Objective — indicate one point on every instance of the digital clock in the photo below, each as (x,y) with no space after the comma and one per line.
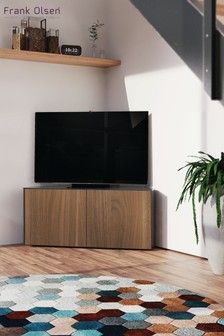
(72,50)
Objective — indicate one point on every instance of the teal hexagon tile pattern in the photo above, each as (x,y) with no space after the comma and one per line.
(65,313)
(83,305)
(221,321)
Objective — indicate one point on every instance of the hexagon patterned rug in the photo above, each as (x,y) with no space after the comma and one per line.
(82,305)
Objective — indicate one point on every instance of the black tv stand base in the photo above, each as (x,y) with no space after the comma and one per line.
(91,186)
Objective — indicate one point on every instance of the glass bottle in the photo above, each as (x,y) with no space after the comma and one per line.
(94,49)
(16,38)
(24,42)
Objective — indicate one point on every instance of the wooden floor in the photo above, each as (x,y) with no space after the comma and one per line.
(158,265)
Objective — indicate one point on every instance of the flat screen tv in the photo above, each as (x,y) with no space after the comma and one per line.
(91,147)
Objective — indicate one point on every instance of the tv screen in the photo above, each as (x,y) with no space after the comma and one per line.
(91,147)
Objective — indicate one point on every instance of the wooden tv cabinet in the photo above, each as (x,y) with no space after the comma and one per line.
(98,218)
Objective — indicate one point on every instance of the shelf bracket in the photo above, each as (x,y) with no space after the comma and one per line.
(211,51)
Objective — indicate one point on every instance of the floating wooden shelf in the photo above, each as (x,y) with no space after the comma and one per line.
(58,58)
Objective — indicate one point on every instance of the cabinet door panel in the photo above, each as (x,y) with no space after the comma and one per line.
(119,219)
(55,217)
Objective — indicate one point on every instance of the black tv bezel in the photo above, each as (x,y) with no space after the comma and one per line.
(76,184)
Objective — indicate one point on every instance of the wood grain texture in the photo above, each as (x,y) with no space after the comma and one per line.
(32,56)
(55,217)
(220,8)
(185,271)
(119,219)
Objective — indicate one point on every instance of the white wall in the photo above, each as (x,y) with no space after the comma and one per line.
(152,77)
(184,120)
(29,87)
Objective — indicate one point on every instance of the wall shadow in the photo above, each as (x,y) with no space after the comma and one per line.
(160,223)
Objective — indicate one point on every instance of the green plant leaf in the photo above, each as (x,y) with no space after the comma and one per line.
(210,156)
(205,176)
(217,199)
(195,217)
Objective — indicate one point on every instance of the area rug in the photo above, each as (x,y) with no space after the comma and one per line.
(94,306)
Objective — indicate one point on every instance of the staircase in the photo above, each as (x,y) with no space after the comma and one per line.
(199,4)
(183,25)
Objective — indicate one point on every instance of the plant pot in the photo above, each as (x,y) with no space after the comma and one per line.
(214,236)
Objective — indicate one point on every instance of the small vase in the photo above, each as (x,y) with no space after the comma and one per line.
(102,53)
(214,236)
(94,50)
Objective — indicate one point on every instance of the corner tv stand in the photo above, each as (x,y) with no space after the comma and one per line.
(91,217)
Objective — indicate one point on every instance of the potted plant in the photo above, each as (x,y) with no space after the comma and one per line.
(204,181)
(94,35)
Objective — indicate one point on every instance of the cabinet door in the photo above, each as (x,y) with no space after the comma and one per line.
(55,217)
(119,219)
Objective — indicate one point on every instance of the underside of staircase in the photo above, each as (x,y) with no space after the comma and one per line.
(182,24)
(199,4)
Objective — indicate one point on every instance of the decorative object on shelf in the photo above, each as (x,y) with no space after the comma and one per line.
(206,177)
(102,53)
(72,50)
(24,37)
(31,38)
(84,305)
(16,38)
(36,37)
(53,41)
(94,36)
(19,37)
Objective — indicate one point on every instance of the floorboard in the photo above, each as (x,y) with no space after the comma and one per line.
(188,272)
